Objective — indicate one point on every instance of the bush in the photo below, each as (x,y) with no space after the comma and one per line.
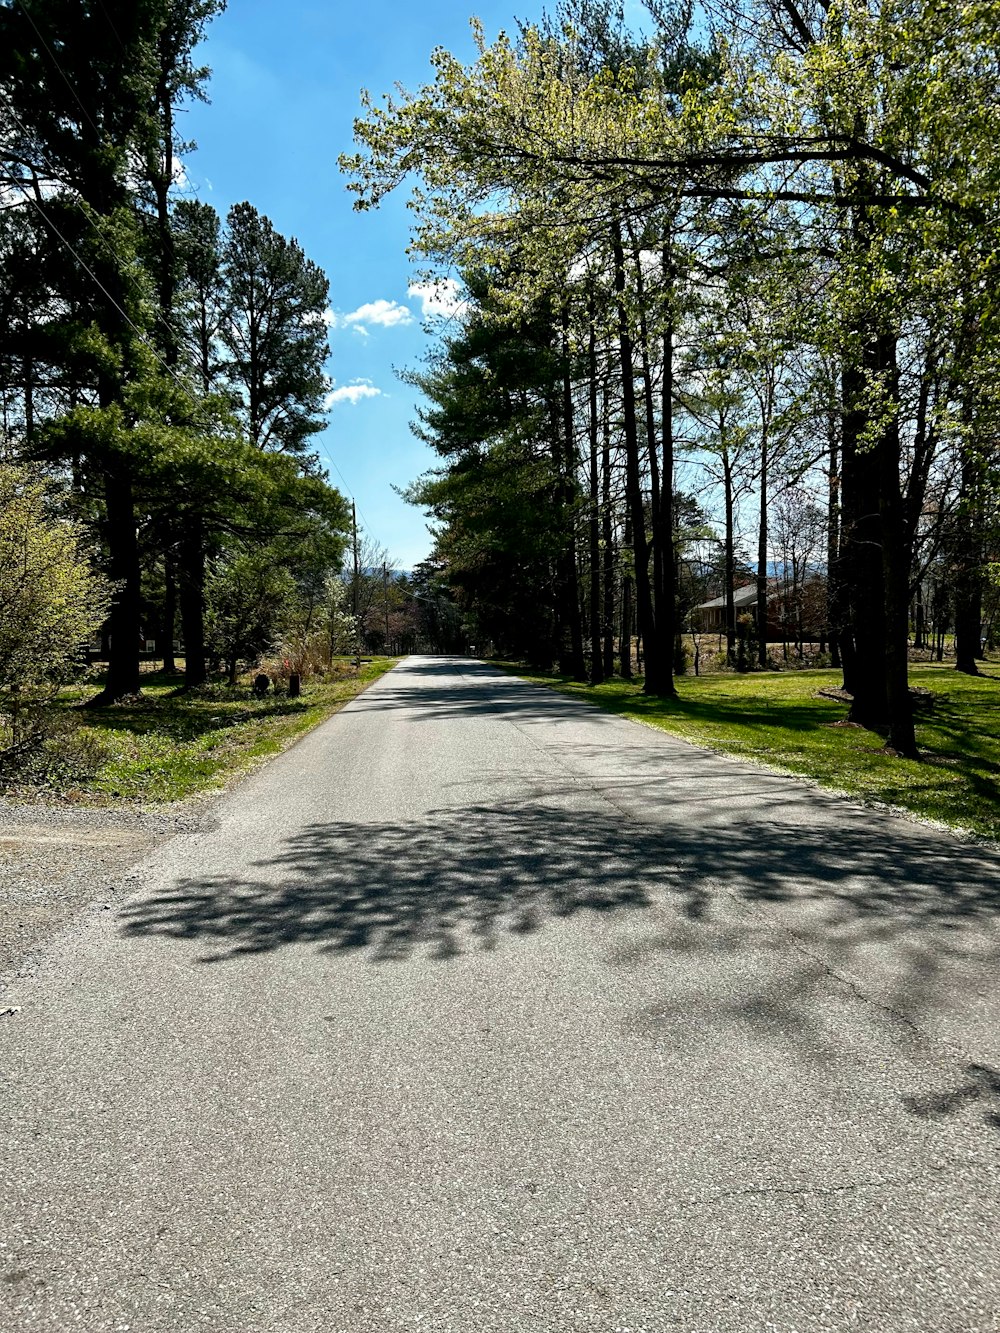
(303,655)
(51,601)
(51,747)
(245,599)
(683,657)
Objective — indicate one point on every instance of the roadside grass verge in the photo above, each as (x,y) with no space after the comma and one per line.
(779,720)
(168,746)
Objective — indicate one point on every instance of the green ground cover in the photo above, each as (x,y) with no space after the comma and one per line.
(166,745)
(779,719)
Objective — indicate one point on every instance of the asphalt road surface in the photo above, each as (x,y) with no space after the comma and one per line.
(482,1011)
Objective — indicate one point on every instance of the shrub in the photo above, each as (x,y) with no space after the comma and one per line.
(55,748)
(51,601)
(245,599)
(304,655)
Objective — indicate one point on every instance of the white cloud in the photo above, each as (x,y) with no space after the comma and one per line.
(385,313)
(326,317)
(440,298)
(179,173)
(351,393)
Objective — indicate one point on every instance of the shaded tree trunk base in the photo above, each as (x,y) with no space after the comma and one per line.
(661,689)
(106,698)
(879,724)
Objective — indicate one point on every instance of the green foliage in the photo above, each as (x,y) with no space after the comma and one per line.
(148,356)
(806,207)
(51,601)
(167,746)
(494,399)
(201,303)
(246,598)
(274,331)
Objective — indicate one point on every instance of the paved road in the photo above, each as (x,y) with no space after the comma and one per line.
(481,1011)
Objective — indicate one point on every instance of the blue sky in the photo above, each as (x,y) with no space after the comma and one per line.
(284,94)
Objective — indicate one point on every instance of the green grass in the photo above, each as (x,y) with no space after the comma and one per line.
(168,746)
(778,719)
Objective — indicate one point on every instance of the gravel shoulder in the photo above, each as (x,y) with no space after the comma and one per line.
(57,861)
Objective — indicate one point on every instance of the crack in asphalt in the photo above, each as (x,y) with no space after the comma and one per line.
(849,1187)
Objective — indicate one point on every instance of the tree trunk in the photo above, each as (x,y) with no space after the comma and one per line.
(626,625)
(633,477)
(877,558)
(666,612)
(968,590)
(658,632)
(968,626)
(169,617)
(593,428)
(834,593)
(861,574)
(767,412)
(653,464)
(607,536)
(125,621)
(192,599)
(896,573)
(162,179)
(762,556)
(570,654)
(729,556)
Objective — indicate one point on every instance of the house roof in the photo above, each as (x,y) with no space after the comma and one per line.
(745,596)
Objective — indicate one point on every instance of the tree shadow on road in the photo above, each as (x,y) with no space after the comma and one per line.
(441,886)
(471,874)
(979,1086)
(925,909)
(482,691)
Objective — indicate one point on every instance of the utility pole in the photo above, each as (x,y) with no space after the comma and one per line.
(357,627)
(385,603)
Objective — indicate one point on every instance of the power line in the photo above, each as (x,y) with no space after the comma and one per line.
(30,198)
(107,244)
(52,55)
(169,369)
(149,346)
(86,267)
(107,16)
(333,464)
(133,264)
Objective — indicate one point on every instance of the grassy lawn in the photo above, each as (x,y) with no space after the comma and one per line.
(778,719)
(165,746)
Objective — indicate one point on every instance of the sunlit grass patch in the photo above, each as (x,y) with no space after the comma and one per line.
(167,745)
